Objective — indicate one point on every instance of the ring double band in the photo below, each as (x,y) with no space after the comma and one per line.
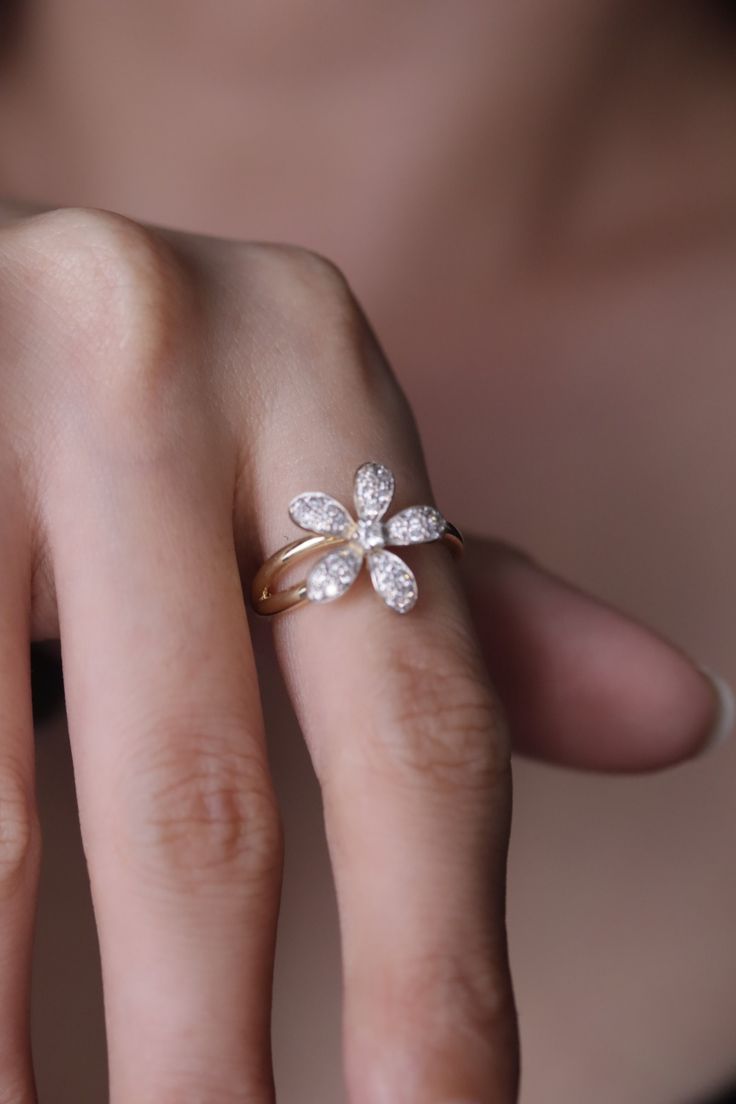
(348,543)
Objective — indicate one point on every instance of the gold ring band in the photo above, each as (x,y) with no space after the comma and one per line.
(268,601)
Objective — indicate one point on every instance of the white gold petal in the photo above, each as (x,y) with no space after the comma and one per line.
(393,580)
(320,513)
(416,525)
(374,489)
(333,575)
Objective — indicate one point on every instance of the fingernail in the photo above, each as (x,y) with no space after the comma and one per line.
(724,714)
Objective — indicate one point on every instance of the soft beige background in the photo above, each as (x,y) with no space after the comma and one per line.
(535,202)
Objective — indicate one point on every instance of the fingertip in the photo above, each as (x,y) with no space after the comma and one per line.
(584,685)
(669,706)
(723,710)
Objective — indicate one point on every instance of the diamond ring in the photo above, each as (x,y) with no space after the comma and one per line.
(349,543)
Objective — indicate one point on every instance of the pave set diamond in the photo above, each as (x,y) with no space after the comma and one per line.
(366,538)
(334,574)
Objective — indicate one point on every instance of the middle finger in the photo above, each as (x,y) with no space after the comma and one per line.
(178,815)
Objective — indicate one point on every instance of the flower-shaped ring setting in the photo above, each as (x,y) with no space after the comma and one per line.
(350,542)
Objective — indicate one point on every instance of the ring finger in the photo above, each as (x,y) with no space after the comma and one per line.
(412,758)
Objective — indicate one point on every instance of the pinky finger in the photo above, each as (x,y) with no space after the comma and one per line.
(581,683)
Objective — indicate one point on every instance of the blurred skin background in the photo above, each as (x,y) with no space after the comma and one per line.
(536,204)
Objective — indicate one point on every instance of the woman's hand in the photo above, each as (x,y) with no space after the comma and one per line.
(163,398)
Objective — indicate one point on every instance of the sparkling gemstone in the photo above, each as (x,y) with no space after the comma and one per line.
(374,489)
(393,580)
(371,534)
(320,513)
(416,525)
(333,575)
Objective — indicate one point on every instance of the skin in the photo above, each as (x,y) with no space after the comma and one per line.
(572,244)
(155,386)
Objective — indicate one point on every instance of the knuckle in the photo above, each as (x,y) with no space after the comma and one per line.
(110,291)
(444,727)
(464,990)
(201,813)
(19,832)
(456,1003)
(310,299)
(305,277)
